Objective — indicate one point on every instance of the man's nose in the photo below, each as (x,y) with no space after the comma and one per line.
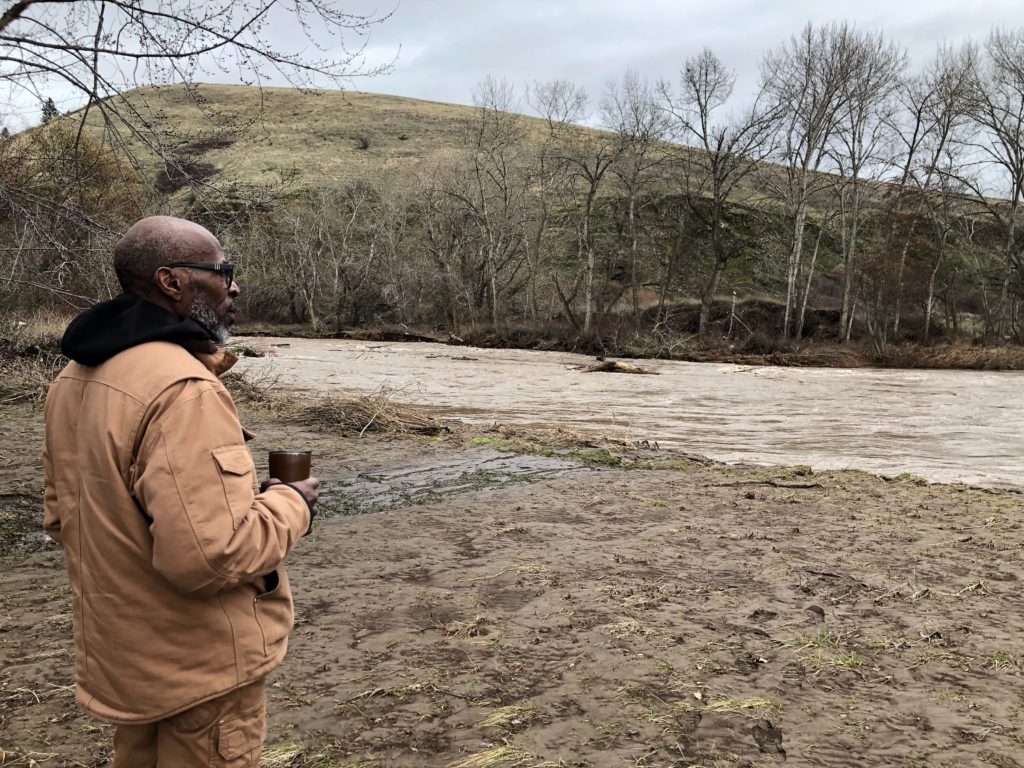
(233,289)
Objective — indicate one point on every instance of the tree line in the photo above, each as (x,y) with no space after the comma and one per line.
(854,196)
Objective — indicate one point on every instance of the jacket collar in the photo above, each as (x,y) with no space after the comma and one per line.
(218,362)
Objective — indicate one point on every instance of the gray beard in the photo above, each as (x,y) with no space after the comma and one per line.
(206,316)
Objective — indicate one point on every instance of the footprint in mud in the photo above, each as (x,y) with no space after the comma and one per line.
(999,760)
(768,738)
(747,663)
(794,674)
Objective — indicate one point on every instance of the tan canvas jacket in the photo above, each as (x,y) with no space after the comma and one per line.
(174,558)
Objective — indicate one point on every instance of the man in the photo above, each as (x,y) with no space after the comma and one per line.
(181,602)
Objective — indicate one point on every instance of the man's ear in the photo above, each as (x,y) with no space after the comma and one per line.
(168,283)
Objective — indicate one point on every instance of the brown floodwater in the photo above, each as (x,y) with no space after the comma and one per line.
(945,426)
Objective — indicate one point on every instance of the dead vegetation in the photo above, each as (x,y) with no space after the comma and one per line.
(377,412)
(954,356)
(505,756)
(27,379)
(348,413)
(30,356)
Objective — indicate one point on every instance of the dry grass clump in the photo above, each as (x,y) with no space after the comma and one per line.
(283,756)
(369,413)
(511,718)
(755,706)
(24,335)
(351,413)
(506,756)
(259,390)
(625,628)
(299,756)
(465,629)
(552,437)
(954,356)
(27,379)
(30,356)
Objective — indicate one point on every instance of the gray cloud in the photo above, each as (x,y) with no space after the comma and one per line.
(445,47)
(449,45)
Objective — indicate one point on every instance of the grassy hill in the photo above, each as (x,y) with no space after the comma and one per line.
(264,137)
(399,252)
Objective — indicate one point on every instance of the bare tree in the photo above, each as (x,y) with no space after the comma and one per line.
(586,156)
(495,136)
(997,110)
(561,105)
(91,53)
(98,50)
(59,199)
(630,109)
(804,80)
(449,241)
(860,142)
(945,207)
(934,110)
(730,149)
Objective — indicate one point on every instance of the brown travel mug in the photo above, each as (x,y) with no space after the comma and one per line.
(290,466)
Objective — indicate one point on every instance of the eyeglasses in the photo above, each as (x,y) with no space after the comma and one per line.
(225,268)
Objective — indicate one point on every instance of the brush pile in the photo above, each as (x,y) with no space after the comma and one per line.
(360,414)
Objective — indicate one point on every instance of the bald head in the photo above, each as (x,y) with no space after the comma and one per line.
(157,241)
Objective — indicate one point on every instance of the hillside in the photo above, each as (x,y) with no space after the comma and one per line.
(518,240)
(260,137)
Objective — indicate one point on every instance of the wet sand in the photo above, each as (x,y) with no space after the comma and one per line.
(561,614)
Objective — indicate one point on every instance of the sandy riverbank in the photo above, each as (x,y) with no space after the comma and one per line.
(560,612)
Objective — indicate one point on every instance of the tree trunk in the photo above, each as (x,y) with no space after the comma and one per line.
(807,290)
(711,288)
(633,255)
(794,265)
(588,284)
(708,296)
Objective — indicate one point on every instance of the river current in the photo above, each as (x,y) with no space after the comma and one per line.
(945,426)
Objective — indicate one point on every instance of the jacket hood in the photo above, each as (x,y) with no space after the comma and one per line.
(110,327)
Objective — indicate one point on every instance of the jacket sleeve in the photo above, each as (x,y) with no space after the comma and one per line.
(196,479)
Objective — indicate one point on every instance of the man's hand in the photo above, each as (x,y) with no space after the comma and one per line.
(308,488)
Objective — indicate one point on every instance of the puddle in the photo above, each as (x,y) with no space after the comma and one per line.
(430,481)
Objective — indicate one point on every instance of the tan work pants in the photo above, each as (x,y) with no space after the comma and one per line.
(225,732)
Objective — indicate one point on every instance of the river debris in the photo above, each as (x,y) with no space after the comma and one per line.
(616,366)
(254,348)
(347,412)
(369,413)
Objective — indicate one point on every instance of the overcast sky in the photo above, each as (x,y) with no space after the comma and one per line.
(444,47)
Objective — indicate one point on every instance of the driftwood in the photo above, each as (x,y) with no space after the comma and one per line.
(614,366)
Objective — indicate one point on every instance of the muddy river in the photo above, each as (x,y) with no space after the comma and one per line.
(946,426)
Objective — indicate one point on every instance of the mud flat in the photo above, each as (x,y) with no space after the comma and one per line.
(588,608)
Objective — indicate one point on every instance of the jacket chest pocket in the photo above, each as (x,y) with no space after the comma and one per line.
(238,476)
